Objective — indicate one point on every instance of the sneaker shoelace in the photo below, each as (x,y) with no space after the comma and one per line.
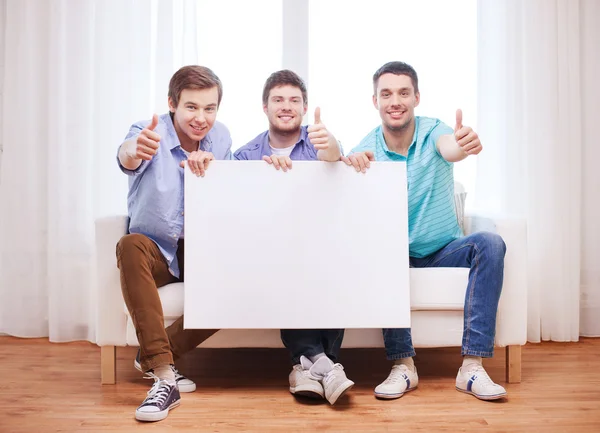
(178,376)
(306,373)
(331,374)
(158,393)
(481,376)
(396,375)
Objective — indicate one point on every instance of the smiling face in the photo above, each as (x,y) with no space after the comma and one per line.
(195,114)
(396,99)
(285,108)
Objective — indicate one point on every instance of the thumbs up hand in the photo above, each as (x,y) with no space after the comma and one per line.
(458,125)
(317,132)
(146,144)
(465,137)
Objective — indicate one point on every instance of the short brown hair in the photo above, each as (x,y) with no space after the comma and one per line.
(396,68)
(193,77)
(282,78)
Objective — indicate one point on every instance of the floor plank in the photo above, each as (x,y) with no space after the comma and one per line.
(48,387)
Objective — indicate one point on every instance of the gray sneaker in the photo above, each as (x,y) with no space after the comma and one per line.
(302,383)
(332,377)
(161,398)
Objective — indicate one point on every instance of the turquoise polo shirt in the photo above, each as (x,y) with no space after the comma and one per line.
(432,222)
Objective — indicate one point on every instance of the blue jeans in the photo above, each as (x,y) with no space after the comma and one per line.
(483,253)
(311,342)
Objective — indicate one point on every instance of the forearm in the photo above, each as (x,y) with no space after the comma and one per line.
(127,156)
(332,153)
(449,149)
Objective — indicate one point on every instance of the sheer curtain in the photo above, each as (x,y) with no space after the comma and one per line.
(82,70)
(79,73)
(590,230)
(538,95)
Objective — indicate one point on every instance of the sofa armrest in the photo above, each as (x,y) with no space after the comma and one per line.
(511,326)
(111,320)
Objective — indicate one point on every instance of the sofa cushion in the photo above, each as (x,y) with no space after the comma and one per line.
(430,289)
(438,288)
(428,328)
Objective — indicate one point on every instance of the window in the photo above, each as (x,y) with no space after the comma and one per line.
(240,41)
(243,47)
(348,42)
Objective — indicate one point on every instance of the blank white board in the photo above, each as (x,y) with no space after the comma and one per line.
(320,246)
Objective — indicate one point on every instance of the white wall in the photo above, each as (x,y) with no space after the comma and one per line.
(2,28)
(590,212)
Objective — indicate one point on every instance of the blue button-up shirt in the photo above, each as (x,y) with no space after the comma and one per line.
(259,147)
(155,199)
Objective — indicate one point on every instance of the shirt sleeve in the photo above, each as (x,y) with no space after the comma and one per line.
(227,142)
(367,143)
(362,147)
(228,155)
(240,155)
(438,130)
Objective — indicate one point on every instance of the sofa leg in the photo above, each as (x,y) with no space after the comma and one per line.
(108,365)
(513,364)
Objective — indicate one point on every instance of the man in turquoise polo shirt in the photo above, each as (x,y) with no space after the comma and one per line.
(429,148)
(314,352)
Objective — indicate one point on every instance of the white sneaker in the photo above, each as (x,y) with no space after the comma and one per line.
(302,383)
(401,380)
(475,381)
(332,377)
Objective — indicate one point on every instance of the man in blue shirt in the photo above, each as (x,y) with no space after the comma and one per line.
(153,155)
(429,148)
(315,373)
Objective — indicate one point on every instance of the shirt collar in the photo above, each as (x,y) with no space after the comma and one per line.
(205,144)
(387,150)
(266,148)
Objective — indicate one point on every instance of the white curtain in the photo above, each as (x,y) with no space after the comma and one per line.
(590,230)
(78,73)
(538,98)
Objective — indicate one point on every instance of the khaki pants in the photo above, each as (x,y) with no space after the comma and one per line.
(143,270)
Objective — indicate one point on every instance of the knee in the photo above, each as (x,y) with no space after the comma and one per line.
(131,242)
(491,242)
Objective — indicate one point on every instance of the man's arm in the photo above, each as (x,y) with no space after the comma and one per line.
(140,148)
(332,153)
(240,155)
(127,155)
(327,146)
(464,142)
(449,149)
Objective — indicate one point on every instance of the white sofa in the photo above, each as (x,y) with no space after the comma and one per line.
(437,300)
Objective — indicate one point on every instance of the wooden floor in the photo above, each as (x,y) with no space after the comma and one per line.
(47,387)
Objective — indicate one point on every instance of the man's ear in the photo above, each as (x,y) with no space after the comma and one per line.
(172,107)
(417,99)
(375,104)
(305,109)
(265,108)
